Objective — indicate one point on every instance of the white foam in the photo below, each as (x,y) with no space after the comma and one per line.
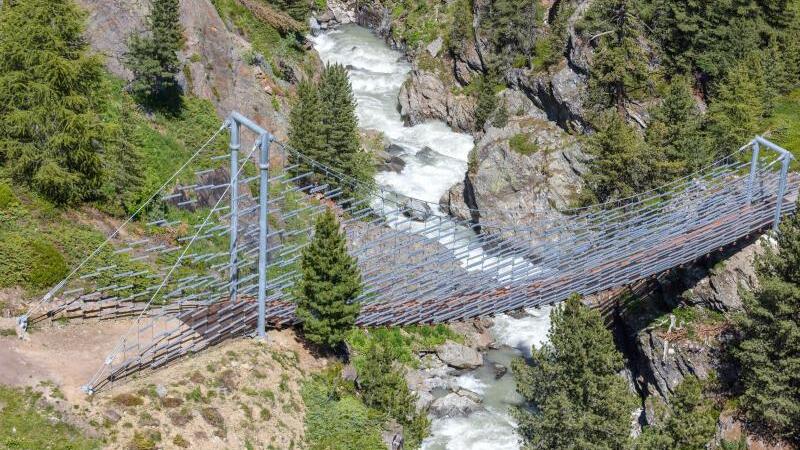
(523,333)
(482,430)
(471,382)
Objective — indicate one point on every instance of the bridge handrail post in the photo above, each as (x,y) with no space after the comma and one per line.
(234,146)
(264,139)
(786,159)
(753,169)
(263,225)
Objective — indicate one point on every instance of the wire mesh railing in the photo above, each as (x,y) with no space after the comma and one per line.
(217,248)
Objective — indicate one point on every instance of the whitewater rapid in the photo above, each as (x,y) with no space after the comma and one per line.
(377,72)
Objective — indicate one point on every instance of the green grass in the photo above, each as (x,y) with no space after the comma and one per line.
(266,39)
(25,425)
(521,143)
(784,125)
(336,419)
(403,342)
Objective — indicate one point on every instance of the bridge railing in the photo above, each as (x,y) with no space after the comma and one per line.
(214,253)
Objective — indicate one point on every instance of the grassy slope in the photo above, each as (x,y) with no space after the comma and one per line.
(26,425)
(784,125)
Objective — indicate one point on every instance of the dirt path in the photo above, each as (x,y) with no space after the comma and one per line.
(67,355)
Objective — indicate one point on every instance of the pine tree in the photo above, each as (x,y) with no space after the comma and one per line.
(690,422)
(339,116)
(619,71)
(383,387)
(675,133)
(153,57)
(738,106)
(297,9)
(330,282)
(769,349)
(340,128)
(50,132)
(572,382)
(622,166)
(305,127)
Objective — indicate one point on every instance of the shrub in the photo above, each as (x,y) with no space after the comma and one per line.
(336,418)
(127,399)
(7,197)
(29,262)
(521,143)
(383,387)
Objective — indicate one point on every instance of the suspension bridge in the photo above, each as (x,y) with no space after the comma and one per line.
(214,252)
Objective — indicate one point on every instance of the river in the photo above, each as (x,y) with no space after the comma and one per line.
(377,72)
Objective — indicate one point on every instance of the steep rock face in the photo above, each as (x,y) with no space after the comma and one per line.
(512,188)
(558,93)
(425,96)
(213,67)
(664,350)
(716,285)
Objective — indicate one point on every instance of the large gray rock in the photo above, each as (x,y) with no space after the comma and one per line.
(558,93)
(343,11)
(459,356)
(718,287)
(510,188)
(389,163)
(425,96)
(453,405)
(435,47)
(417,210)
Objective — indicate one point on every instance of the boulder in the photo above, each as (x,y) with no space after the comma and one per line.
(161,391)
(342,10)
(435,47)
(511,188)
(393,435)
(459,356)
(474,396)
(559,94)
(717,284)
(499,370)
(417,210)
(424,96)
(111,416)
(389,163)
(453,405)
(395,149)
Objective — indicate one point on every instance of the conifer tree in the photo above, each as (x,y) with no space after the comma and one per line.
(330,282)
(769,349)
(383,387)
(738,106)
(675,133)
(619,70)
(153,57)
(297,9)
(305,126)
(621,167)
(339,116)
(340,127)
(572,382)
(50,132)
(690,421)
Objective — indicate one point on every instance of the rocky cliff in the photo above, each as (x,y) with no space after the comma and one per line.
(522,172)
(212,59)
